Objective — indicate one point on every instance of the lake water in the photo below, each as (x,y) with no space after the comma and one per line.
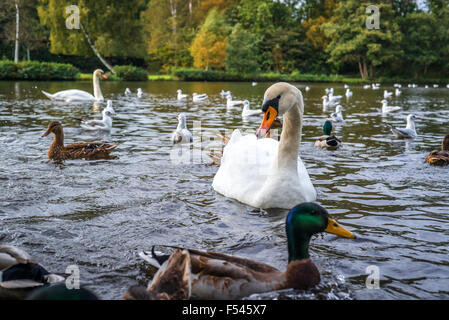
(99,214)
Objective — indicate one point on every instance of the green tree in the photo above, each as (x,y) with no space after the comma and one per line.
(209,46)
(242,52)
(113,26)
(352,42)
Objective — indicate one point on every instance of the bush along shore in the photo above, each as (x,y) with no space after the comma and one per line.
(34,70)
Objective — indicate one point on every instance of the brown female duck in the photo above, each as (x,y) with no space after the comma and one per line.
(440,157)
(80,150)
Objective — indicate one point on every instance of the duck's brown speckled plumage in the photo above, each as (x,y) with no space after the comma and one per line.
(440,157)
(80,150)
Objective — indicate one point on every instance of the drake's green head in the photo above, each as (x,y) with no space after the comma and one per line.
(305,220)
(327,128)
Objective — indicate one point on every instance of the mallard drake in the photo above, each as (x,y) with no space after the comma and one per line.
(20,273)
(220,276)
(80,150)
(440,157)
(327,141)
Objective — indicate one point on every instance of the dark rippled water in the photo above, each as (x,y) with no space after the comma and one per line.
(100,214)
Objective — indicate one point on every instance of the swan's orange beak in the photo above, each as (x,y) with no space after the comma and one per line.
(104,76)
(268,119)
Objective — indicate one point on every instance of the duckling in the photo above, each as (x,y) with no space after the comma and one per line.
(220,276)
(440,157)
(327,141)
(80,150)
(20,273)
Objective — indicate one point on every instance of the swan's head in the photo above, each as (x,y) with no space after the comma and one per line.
(100,73)
(278,100)
(305,220)
(445,144)
(53,127)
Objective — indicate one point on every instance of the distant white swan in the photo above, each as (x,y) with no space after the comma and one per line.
(80,95)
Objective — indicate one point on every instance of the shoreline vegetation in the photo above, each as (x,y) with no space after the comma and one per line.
(43,71)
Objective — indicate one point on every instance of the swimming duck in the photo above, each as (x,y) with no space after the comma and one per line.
(103,124)
(440,157)
(327,141)
(181,96)
(80,150)
(20,273)
(247,112)
(387,109)
(199,97)
(409,131)
(220,276)
(182,134)
(265,173)
(171,282)
(337,116)
(80,95)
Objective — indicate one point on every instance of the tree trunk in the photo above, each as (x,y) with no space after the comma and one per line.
(95,49)
(28,54)
(16,51)
(173,11)
(365,70)
(361,69)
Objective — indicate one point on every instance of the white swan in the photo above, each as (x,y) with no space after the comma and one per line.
(104,124)
(199,97)
(182,134)
(409,131)
(337,116)
(232,103)
(139,92)
(80,95)
(247,112)
(181,96)
(265,173)
(387,109)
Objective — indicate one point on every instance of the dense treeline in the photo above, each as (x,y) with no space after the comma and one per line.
(237,36)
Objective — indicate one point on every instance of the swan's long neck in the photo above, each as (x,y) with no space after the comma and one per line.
(290,137)
(97,91)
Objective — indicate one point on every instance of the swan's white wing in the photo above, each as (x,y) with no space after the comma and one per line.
(70,95)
